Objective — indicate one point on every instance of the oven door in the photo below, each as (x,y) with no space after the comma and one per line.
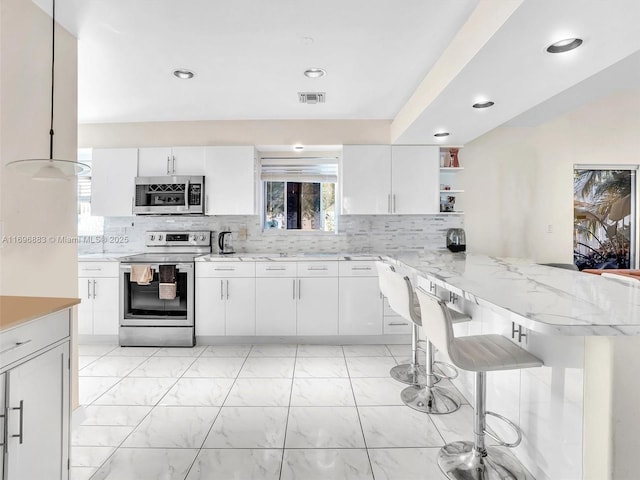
(141,305)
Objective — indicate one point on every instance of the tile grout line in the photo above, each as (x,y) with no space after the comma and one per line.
(286,423)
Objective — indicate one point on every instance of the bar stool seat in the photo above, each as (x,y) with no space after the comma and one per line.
(465,460)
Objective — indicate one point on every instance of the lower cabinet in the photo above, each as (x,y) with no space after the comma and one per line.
(360,300)
(276,306)
(35,394)
(317,306)
(98,286)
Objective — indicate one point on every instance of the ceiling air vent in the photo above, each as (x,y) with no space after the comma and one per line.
(311,97)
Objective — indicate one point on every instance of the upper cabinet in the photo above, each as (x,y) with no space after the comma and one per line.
(390,179)
(112,181)
(160,161)
(230,180)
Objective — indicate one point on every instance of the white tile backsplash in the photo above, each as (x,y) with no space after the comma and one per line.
(357,233)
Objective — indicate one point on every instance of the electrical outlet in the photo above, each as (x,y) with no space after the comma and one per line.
(550,228)
(242,232)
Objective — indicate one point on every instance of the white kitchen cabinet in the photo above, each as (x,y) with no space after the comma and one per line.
(98,289)
(360,300)
(225,298)
(276,306)
(365,179)
(317,307)
(161,161)
(113,172)
(385,179)
(230,180)
(34,387)
(3,422)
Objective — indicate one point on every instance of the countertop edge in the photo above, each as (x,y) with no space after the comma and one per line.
(17,310)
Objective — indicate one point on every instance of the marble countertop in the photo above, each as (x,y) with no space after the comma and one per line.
(295,257)
(103,257)
(17,310)
(543,299)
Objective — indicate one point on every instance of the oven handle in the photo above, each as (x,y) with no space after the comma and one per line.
(186,194)
(181,267)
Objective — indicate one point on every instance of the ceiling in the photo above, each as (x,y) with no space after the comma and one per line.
(420,63)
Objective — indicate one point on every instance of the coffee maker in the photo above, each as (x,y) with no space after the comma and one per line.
(224,243)
(456,240)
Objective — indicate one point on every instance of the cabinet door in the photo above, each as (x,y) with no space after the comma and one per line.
(276,306)
(37,446)
(85,308)
(210,304)
(360,306)
(415,179)
(105,306)
(365,177)
(317,306)
(187,161)
(240,294)
(3,422)
(230,183)
(154,161)
(113,171)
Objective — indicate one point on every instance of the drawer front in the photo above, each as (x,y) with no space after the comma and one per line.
(225,269)
(18,342)
(317,269)
(396,325)
(275,269)
(358,269)
(98,269)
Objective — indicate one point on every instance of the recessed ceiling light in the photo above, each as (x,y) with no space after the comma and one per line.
(486,104)
(564,45)
(314,72)
(184,74)
(298,147)
(441,134)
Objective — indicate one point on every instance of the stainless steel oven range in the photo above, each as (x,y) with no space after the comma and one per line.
(157,290)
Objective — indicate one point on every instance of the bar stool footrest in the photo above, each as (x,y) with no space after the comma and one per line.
(515,427)
(443,374)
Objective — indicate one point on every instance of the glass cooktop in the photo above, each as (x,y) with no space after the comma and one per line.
(166,258)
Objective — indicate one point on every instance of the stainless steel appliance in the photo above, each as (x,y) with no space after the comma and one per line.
(172,195)
(224,244)
(147,316)
(456,240)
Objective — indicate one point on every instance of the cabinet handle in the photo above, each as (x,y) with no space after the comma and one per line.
(98,269)
(173,168)
(275,269)
(221,294)
(20,434)
(224,269)
(432,287)
(16,345)
(294,288)
(2,416)
(94,288)
(88,289)
(227,289)
(394,203)
(389,203)
(299,289)
(206,204)
(317,268)
(395,324)
(360,268)
(168,164)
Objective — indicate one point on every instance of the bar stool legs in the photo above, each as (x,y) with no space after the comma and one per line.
(475,461)
(429,398)
(410,373)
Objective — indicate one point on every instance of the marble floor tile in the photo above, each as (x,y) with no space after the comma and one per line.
(320,367)
(401,426)
(137,391)
(180,351)
(370,366)
(457,425)
(84,360)
(248,427)
(237,464)
(81,473)
(89,456)
(96,350)
(133,351)
(259,392)
(405,463)
(99,435)
(90,388)
(198,392)
(268,367)
(173,427)
(320,351)
(400,350)
(147,464)
(117,415)
(324,427)
(322,392)
(377,391)
(163,367)
(227,351)
(326,464)
(215,367)
(111,366)
(366,351)
(273,351)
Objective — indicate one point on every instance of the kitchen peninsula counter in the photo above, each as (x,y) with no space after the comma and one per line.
(16,310)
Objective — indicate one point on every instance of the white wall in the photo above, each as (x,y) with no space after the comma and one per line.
(519,181)
(28,207)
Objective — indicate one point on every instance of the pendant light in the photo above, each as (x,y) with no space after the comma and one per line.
(50,169)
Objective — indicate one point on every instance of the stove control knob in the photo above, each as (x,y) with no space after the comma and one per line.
(202,237)
(160,238)
(152,237)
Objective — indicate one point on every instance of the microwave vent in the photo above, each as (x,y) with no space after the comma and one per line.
(311,97)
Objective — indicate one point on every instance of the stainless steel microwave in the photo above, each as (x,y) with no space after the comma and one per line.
(171,195)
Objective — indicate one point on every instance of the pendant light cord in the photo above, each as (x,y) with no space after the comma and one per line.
(53,58)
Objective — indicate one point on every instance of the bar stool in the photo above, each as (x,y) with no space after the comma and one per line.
(410,373)
(428,398)
(466,460)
